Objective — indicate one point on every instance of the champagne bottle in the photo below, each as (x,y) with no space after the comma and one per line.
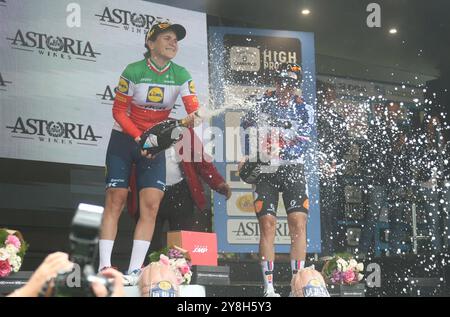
(162,135)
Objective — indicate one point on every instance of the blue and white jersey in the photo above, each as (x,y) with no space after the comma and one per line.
(295,122)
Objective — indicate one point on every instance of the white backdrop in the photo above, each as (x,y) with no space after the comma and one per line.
(57,82)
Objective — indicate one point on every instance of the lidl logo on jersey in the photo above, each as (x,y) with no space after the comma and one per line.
(191,87)
(4,83)
(124,85)
(131,21)
(53,46)
(56,132)
(155,94)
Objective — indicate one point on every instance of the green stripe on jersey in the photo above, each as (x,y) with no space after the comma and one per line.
(140,73)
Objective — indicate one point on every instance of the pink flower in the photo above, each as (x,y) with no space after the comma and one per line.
(349,276)
(12,239)
(5,268)
(184,269)
(164,259)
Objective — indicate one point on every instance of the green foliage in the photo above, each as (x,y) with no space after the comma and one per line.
(154,256)
(3,236)
(23,249)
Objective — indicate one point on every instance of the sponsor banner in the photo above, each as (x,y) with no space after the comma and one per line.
(41,134)
(52,45)
(246,231)
(57,71)
(243,61)
(107,94)
(5,83)
(258,56)
(241,204)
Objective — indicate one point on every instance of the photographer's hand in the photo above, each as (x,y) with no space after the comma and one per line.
(53,264)
(118,291)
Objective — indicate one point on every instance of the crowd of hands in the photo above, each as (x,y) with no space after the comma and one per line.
(57,263)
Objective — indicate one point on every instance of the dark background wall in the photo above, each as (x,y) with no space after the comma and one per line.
(40,198)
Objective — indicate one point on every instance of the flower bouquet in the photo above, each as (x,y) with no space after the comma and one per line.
(12,251)
(178,261)
(343,269)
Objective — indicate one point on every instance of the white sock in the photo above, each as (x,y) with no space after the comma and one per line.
(140,248)
(105,248)
(297,265)
(267,271)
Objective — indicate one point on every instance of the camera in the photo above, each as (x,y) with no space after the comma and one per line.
(83,250)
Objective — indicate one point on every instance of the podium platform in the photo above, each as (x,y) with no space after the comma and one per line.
(14,281)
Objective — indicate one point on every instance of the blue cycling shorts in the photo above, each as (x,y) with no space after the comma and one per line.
(122,152)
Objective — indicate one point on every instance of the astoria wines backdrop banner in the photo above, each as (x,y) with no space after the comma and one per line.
(60,62)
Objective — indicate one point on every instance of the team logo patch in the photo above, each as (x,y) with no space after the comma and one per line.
(124,85)
(191,87)
(155,94)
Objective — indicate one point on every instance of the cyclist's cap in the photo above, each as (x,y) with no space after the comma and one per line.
(156,29)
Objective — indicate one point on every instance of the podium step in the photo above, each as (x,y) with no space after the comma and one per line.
(245,289)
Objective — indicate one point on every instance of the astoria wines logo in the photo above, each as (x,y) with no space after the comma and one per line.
(53,46)
(128,20)
(243,231)
(4,83)
(54,131)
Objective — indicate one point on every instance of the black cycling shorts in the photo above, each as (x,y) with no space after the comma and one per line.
(290,181)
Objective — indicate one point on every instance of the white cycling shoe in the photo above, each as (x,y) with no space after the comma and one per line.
(271,293)
(132,278)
